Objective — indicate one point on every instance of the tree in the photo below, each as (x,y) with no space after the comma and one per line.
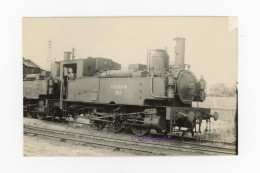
(221,90)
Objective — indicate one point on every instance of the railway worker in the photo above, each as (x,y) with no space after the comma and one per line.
(71,75)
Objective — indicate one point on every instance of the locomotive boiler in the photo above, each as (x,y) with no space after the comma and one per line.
(155,96)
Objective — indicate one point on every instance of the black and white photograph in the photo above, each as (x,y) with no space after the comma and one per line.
(129,86)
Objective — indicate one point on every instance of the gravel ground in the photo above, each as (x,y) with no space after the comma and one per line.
(36,146)
(40,146)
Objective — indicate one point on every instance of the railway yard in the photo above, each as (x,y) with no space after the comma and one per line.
(46,138)
(92,100)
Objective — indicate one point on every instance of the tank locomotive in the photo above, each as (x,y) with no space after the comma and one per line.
(155,96)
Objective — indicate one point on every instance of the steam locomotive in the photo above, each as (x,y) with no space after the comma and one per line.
(155,96)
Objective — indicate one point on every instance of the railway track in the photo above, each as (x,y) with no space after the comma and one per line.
(137,147)
(188,140)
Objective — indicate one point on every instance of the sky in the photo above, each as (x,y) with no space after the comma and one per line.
(211,42)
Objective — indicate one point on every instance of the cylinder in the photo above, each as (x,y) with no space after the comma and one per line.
(67,56)
(179,53)
(159,61)
(155,122)
(55,69)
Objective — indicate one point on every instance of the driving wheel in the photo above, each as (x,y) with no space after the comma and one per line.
(139,131)
(115,126)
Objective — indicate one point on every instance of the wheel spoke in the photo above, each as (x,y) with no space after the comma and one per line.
(29,115)
(40,116)
(115,127)
(99,125)
(139,131)
(75,116)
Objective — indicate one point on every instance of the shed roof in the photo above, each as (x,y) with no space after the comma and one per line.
(29,63)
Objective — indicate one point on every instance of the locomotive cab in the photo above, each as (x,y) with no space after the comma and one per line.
(69,70)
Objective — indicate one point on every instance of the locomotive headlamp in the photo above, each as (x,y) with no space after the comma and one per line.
(215,116)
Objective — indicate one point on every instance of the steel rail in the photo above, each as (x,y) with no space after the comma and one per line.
(62,139)
(181,137)
(167,147)
(175,138)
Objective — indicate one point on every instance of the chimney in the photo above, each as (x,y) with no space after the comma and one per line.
(179,53)
(67,56)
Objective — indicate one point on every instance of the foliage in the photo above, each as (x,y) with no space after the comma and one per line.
(221,90)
